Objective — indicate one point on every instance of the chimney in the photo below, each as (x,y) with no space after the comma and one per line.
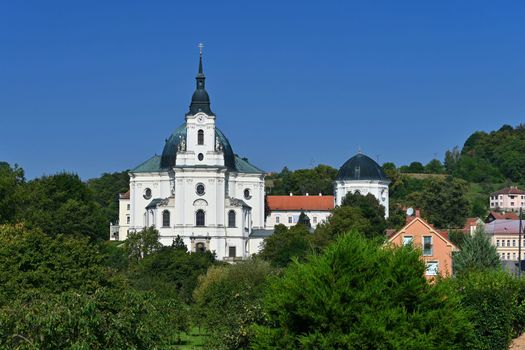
(418,213)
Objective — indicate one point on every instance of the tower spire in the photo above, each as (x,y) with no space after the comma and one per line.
(200,46)
(200,101)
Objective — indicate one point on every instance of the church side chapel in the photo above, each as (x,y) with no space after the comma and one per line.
(197,189)
(200,190)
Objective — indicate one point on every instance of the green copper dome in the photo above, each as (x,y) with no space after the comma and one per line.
(361,167)
(169,154)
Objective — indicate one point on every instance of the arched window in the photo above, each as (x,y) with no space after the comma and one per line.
(166,218)
(199,217)
(200,137)
(231,218)
(200,247)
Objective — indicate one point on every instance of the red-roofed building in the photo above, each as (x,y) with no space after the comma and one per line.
(508,198)
(285,210)
(494,215)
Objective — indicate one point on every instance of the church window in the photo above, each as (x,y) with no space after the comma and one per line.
(200,189)
(231,218)
(165,218)
(147,193)
(200,156)
(128,219)
(247,194)
(200,218)
(128,207)
(200,137)
(232,252)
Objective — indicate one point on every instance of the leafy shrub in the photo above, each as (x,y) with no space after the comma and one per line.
(229,299)
(107,319)
(360,295)
(495,302)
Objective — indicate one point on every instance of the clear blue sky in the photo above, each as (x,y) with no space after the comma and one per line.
(96,86)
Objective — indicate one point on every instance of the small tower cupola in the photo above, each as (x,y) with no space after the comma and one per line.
(200,101)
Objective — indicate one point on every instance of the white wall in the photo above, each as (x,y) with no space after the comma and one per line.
(378,189)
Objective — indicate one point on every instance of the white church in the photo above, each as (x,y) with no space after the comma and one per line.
(200,190)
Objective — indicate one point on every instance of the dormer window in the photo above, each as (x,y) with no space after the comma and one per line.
(200,137)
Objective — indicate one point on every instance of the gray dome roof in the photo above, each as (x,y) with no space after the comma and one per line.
(169,153)
(361,167)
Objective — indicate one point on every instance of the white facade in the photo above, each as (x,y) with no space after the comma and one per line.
(289,218)
(377,188)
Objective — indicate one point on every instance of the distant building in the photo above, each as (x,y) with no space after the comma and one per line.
(285,210)
(120,232)
(494,215)
(509,198)
(471,225)
(435,245)
(361,174)
(504,234)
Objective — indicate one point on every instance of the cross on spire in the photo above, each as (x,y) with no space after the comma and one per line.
(200,46)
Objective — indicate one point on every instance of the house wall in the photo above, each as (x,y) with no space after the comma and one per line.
(284,215)
(511,202)
(441,252)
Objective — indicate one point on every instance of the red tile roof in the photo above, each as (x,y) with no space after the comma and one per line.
(124,195)
(504,216)
(299,203)
(508,190)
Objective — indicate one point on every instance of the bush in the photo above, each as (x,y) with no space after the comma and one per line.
(32,260)
(360,295)
(229,298)
(495,303)
(107,319)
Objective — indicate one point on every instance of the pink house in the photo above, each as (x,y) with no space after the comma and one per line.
(435,245)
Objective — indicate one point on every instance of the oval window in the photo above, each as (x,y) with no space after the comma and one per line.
(147,193)
(200,156)
(200,189)
(247,194)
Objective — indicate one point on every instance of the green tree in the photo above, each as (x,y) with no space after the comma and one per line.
(434,167)
(107,319)
(61,204)
(451,160)
(443,202)
(494,301)
(360,295)
(342,220)
(31,260)
(304,220)
(171,272)
(414,167)
(11,178)
(477,254)
(105,191)
(285,244)
(371,209)
(232,297)
(140,244)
